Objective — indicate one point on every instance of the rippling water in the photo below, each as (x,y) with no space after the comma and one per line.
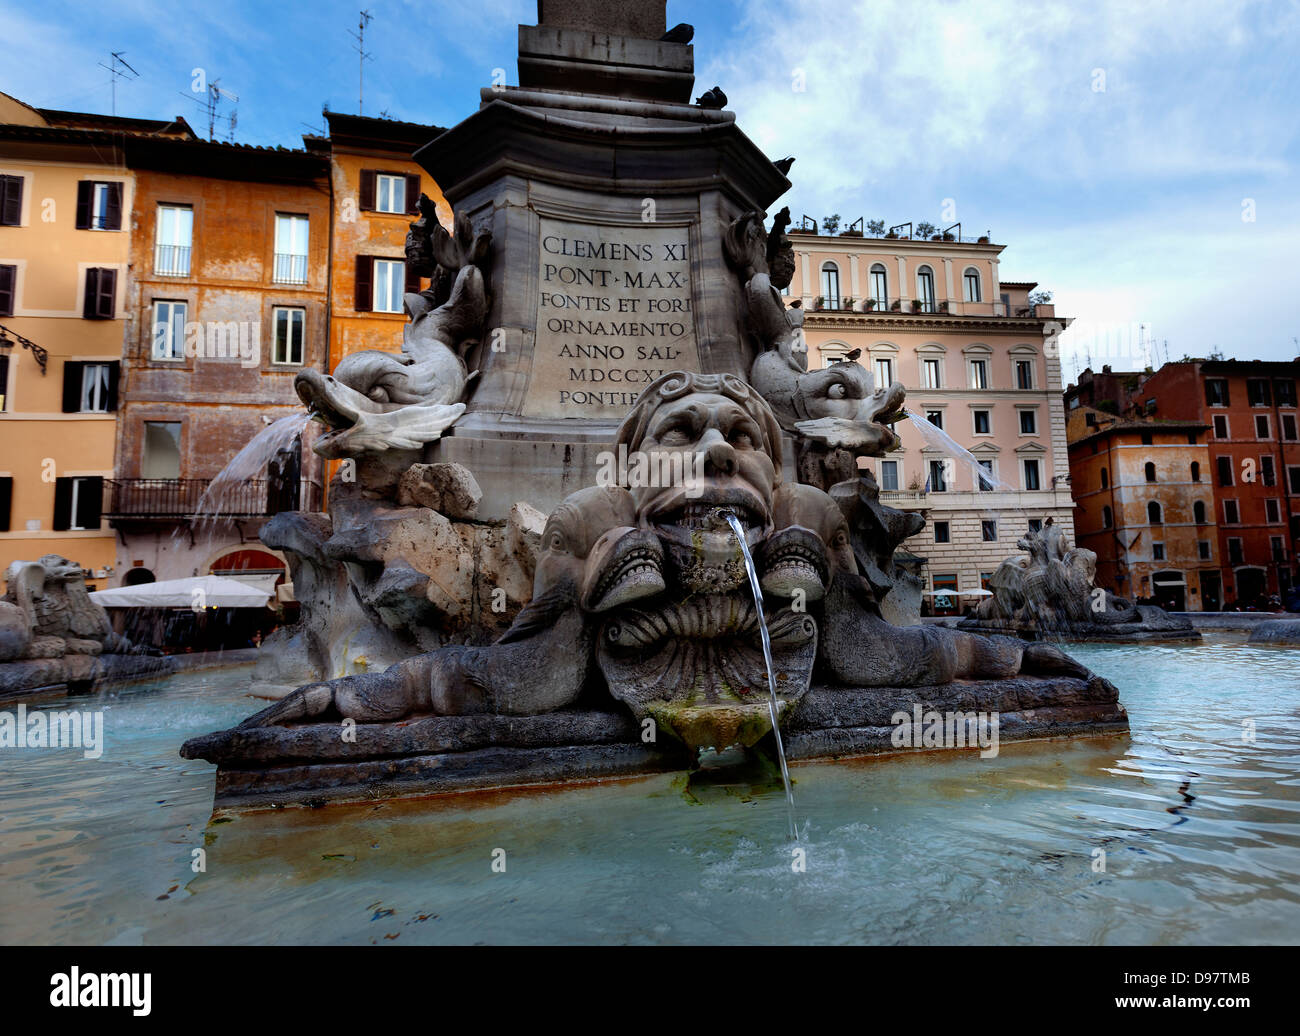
(1200,829)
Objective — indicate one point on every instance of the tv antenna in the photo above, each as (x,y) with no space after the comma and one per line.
(116,73)
(362,58)
(212,98)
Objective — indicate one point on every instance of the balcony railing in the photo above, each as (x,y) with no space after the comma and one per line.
(290,268)
(171,260)
(909,307)
(184,499)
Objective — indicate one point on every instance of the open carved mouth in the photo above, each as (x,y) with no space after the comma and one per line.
(632,570)
(691,521)
(795,559)
(327,400)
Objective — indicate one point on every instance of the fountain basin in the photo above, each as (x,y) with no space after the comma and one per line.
(312,764)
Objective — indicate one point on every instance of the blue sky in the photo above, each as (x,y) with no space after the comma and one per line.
(1114,147)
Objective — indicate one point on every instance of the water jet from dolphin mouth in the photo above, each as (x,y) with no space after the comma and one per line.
(739,530)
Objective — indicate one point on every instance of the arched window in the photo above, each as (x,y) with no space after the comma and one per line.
(1105,478)
(1198,512)
(1150,470)
(925,288)
(971,285)
(830,285)
(880,285)
(1105,518)
(1196,471)
(1153,513)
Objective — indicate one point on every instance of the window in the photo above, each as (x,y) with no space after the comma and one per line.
(1191,438)
(1267,473)
(1150,470)
(979,374)
(880,286)
(937,484)
(1216,392)
(8,289)
(981,422)
(390,193)
(290,249)
(1196,471)
(931,372)
(1220,426)
(986,481)
(1032,478)
(889,475)
(6,501)
(1105,478)
(1284,392)
(1035,525)
(383,191)
(1231,516)
(941,532)
(1261,426)
(1272,511)
(830,285)
(1028,422)
(1146,439)
(288,322)
(1198,512)
(1153,513)
(77,503)
(169,330)
(174,238)
(1024,374)
(99,206)
(989,530)
(945,594)
(390,280)
(1278,550)
(11,201)
(884,373)
(1225,470)
(162,450)
(1106,518)
(4,387)
(1234,550)
(1293,479)
(1157,552)
(101,294)
(89,388)
(971,285)
(1288,427)
(1203,549)
(935,417)
(1257,393)
(925,289)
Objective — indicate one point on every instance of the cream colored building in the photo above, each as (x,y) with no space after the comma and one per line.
(976,358)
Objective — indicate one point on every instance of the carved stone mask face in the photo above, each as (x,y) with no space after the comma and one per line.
(723,451)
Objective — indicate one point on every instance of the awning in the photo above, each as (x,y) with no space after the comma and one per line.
(1170,582)
(977,593)
(196,592)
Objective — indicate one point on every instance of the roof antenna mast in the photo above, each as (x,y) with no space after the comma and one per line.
(116,73)
(362,58)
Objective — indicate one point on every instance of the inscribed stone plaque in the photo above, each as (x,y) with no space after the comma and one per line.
(614,312)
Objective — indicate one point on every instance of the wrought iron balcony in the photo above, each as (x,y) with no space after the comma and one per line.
(171,260)
(189,499)
(290,268)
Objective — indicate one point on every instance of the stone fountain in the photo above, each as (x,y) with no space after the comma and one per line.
(1050,591)
(54,638)
(528,571)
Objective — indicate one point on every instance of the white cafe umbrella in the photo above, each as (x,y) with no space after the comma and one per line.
(977,593)
(194,592)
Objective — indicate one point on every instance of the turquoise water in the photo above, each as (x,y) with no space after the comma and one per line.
(1200,830)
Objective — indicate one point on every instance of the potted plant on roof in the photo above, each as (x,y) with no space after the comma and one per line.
(848,302)
(896,306)
(870,305)
(943,306)
(876,227)
(984,239)
(948,236)
(818,302)
(916,305)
